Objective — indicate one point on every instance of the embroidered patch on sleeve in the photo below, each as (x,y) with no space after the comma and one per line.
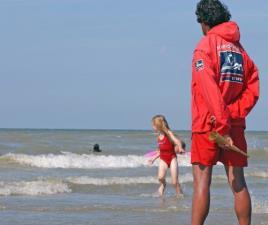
(199,65)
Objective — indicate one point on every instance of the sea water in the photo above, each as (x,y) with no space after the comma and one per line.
(52,177)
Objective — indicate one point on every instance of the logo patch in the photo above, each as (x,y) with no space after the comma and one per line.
(231,67)
(199,65)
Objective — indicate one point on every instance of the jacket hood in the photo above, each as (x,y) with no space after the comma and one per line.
(228,31)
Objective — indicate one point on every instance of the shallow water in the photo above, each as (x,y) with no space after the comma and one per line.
(51,177)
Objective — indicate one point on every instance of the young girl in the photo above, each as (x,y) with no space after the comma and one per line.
(168,146)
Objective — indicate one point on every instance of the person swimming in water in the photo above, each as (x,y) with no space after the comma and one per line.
(96,148)
(168,146)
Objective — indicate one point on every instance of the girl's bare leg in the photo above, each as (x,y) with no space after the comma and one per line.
(174,177)
(162,171)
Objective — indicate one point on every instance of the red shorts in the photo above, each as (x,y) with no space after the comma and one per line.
(207,153)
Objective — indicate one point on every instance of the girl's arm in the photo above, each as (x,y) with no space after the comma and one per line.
(151,161)
(177,142)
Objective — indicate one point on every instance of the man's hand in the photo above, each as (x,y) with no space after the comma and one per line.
(229,141)
(213,120)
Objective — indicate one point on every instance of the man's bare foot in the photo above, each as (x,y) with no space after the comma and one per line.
(161,189)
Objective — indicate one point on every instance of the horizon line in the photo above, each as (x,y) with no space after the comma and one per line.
(103,129)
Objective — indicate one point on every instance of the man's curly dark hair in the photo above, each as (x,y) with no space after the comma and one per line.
(212,12)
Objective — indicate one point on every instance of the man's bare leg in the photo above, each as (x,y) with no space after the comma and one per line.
(201,196)
(242,201)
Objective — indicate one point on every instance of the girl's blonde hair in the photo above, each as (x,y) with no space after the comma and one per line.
(161,124)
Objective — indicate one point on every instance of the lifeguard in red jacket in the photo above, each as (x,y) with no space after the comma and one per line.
(225,88)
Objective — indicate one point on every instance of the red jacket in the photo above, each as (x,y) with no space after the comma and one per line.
(225,82)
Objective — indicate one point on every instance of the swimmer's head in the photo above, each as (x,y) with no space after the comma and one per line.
(96,148)
(160,124)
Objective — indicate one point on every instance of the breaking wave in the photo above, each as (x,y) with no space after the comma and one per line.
(84,161)
(39,187)
(50,186)
(122,180)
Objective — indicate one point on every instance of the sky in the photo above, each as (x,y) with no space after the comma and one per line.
(102,64)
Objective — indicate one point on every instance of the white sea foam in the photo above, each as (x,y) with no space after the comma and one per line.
(48,186)
(107,181)
(258,174)
(84,161)
(259,206)
(39,187)
(112,180)
(123,180)
(71,160)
